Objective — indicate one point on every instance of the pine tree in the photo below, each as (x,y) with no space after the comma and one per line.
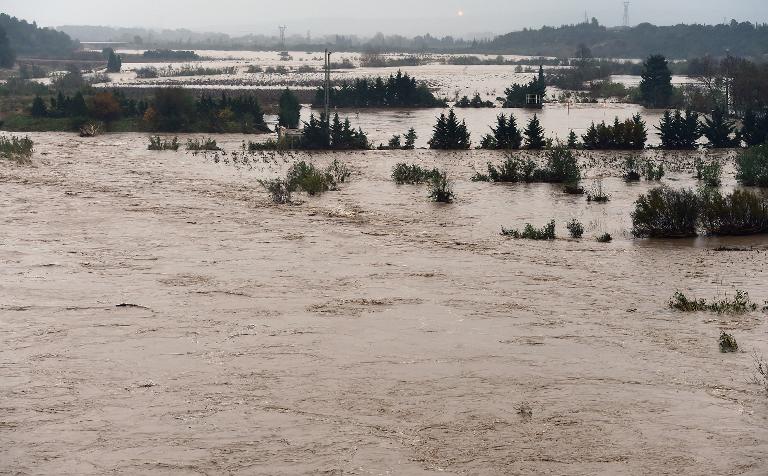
(534,134)
(678,132)
(38,107)
(506,133)
(449,133)
(573,140)
(7,55)
(720,131)
(410,139)
(290,110)
(755,128)
(114,62)
(337,133)
(656,85)
(77,106)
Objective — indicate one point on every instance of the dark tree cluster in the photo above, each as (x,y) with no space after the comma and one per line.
(449,133)
(320,134)
(628,135)
(27,39)
(678,131)
(7,55)
(105,106)
(520,95)
(400,90)
(676,41)
(505,136)
(476,102)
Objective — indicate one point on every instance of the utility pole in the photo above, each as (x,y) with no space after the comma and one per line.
(282,36)
(626,14)
(327,109)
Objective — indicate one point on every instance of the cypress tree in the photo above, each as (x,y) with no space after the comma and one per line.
(290,110)
(534,134)
(410,139)
(38,107)
(720,131)
(755,128)
(656,85)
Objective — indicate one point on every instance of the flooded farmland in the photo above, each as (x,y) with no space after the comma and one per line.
(161,315)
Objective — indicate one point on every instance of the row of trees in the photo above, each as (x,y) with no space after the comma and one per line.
(676,130)
(400,90)
(169,110)
(320,134)
(683,131)
(27,39)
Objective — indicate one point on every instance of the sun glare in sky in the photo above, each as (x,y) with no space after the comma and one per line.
(460,13)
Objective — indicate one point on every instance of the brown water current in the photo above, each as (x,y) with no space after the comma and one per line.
(159,315)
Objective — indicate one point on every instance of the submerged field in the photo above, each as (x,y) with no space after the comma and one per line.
(160,315)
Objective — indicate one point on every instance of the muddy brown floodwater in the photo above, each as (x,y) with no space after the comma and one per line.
(160,316)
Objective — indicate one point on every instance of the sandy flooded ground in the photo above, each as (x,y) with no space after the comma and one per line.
(160,316)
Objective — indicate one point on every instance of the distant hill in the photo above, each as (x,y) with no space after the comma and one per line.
(27,39)
(678,41)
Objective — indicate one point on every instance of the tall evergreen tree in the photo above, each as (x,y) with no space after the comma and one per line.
(38,107)
(114,62)
(449,133)
(656,85)
(754,130)
(290,110)
(720,131)
(410,139)
(534,135)
(678,132)
(7,55)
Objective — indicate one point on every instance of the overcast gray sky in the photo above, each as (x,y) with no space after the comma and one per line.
(457,17)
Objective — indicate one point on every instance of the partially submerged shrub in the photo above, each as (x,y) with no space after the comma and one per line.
(752,166)
(653,172)
(307,177)
(158,143)
(709,172)
(741,213)
(440,188)
(727,343)
(403,173)
(280,190)
(338,172)
(17,149)
(631,169)
(681,302)
(739,304)
(314,181)
(666,213)
(547,232)
(202,144)
(575,228)
(562,167)
(597,194)
(604,238)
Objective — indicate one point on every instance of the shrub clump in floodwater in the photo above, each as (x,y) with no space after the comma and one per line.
(307,177)
(575,228)
(16,149)
(666,213)
(547,232)
(605,238)
(440,189)
(205,144)
(562,167)
(727,343)
(740,213)
(158,143)
(403,173)
(739,304)
(752,166)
